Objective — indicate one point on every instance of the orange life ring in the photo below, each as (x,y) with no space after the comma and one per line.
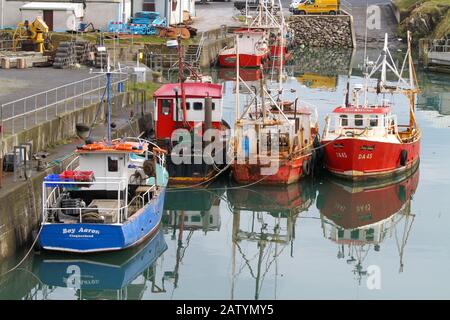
(92,146)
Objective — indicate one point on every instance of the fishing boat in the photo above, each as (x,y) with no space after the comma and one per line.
(274,138)
(354,218)
(365,140)
(124,275)
(265,36)
(113,199)
(185,113)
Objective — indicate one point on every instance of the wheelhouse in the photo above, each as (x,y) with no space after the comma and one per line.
(169,112)
(370,121)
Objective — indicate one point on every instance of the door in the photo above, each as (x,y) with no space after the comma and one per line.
(165,123)
(48,19)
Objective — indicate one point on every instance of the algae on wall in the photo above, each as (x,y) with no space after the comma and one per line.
(424,18)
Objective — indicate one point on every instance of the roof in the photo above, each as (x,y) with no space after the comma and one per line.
(362,110)
(59,6)
(191,89)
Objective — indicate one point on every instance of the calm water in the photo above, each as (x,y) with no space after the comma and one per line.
(317,239)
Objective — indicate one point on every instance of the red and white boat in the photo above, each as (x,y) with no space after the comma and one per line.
(274,137)
(265,35)
(365,139)
(253,49)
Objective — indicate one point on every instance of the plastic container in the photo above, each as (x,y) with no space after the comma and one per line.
(84,176)
(52,178)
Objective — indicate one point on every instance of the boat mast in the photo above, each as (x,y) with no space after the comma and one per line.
(180,71)
(412,81)
(108,99)
(237,79)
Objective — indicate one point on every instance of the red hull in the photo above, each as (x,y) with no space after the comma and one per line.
(289,171)
(351,209)
(245,60)
(275,51)
(359,158)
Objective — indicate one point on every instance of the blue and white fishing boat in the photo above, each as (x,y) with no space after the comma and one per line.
(112,201)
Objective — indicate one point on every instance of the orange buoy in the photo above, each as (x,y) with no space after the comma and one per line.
(92,146)
(123,146)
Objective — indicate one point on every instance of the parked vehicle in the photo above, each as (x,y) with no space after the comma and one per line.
(317,7)
(252,5)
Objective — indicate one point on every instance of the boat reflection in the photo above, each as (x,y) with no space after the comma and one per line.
(187,211)
(122,275)
(266,217)
(359,217)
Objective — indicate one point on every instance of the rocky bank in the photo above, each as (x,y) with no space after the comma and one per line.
(322,31)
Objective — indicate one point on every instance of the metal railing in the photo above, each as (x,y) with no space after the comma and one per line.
(50,204)
(440,45)
(46,105)
(346,7)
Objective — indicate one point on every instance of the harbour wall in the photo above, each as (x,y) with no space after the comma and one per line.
(323,31)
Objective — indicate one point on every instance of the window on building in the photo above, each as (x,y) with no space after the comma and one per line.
(344,120)
(148,5)
(359,120)
(165,106)
(198,106)
(113,164)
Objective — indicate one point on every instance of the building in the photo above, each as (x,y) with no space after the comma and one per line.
(173,10)
(65,15)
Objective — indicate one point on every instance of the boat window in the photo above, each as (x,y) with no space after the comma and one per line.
(188,105)
(374,121)
(113,164)
(213,106)
(344,120)
(198,106)
(196,218)
(358,120)
(165,106)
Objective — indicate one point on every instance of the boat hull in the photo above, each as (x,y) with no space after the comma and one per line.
(289,171)
(245,60)
(359,159)
(94,237)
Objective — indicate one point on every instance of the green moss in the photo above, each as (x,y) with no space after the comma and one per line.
(149,87)
(424,18)
(443,29)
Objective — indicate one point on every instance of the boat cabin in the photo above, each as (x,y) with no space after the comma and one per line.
(251,41)
(169,113)
(374,121)
(106,186)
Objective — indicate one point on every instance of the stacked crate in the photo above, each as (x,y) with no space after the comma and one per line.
(65,55)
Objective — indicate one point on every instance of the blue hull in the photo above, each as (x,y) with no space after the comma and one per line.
(94,237)
(114,271)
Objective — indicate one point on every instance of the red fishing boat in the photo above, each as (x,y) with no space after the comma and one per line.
(185,113)
(365,139)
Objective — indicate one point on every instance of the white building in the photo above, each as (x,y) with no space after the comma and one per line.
(64,15)
(172,10)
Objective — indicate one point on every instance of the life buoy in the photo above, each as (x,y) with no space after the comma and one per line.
(92,146)
(403,157)
(306,166)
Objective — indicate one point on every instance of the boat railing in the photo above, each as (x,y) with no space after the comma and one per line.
(52,192)
(140,200)
(159,155)
(72,164)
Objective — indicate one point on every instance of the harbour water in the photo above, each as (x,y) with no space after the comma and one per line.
(321,239)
